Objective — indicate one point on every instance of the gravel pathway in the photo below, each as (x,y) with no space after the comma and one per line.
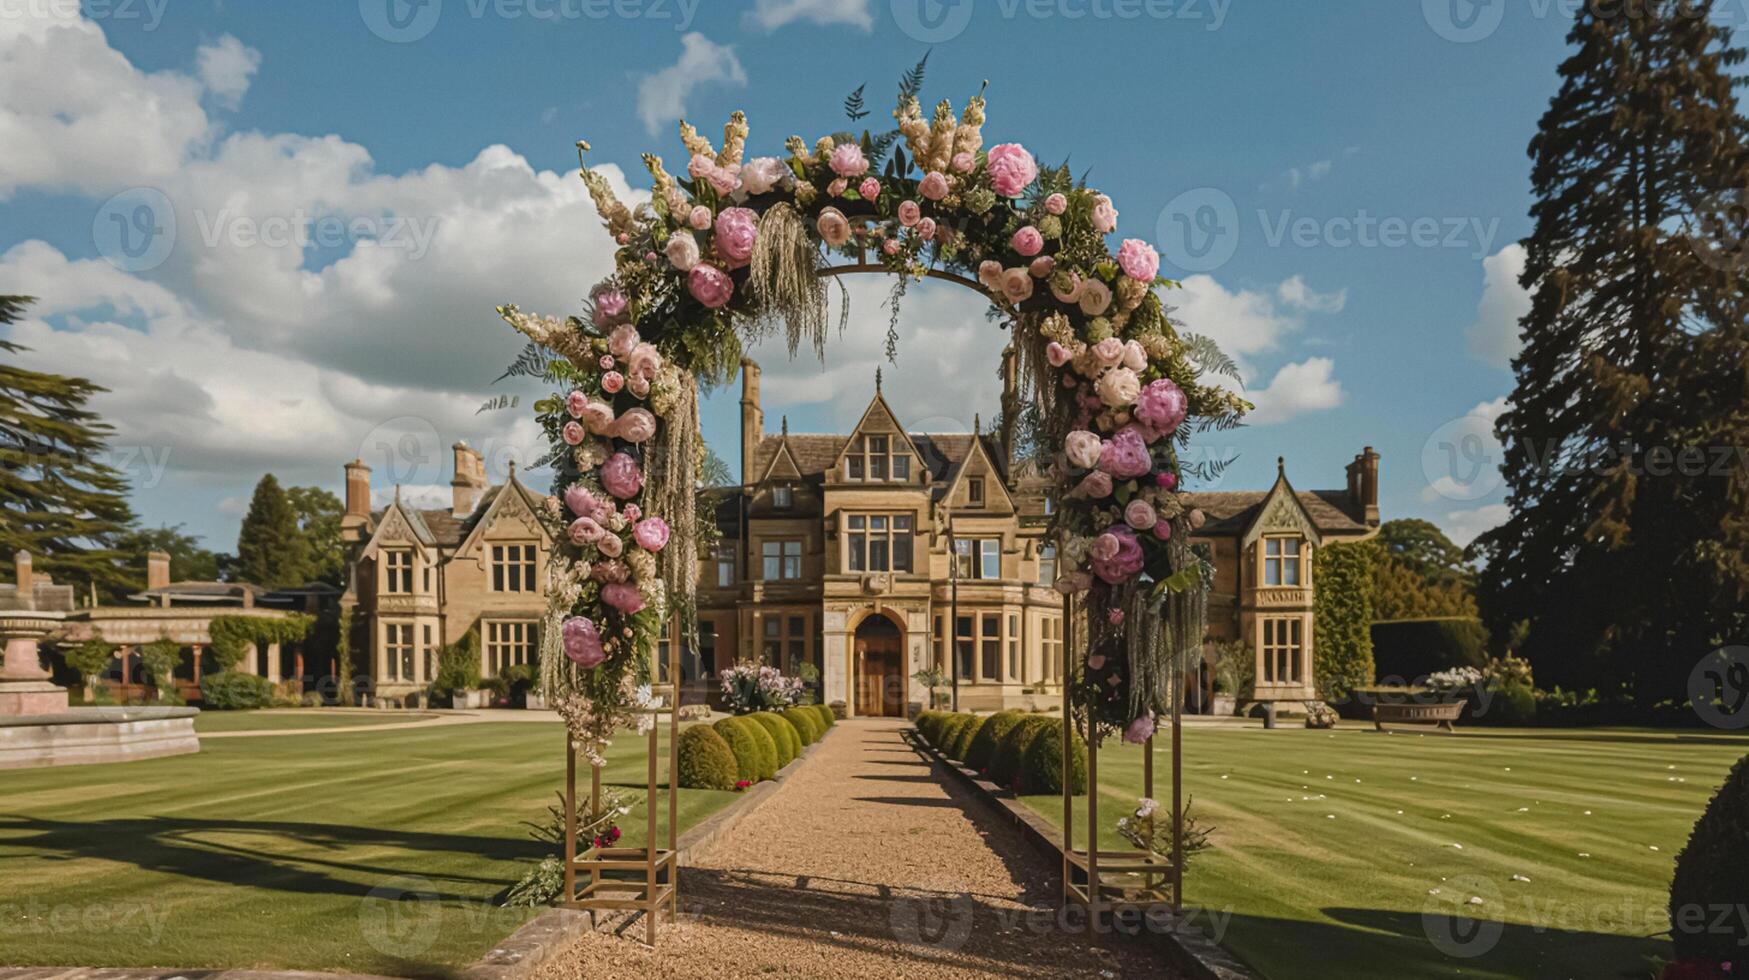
(864,864)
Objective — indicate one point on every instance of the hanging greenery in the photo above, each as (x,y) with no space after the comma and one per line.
(235,636)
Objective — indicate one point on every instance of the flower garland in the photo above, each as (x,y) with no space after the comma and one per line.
(736,246)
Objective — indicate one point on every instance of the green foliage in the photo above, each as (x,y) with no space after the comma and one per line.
(1010,755)
(188,560)
(962,738)
(990,733)
(807,724)
(234,637)
(1042,769)
(458,666)
(826,716)
(59,499)
(319,512)
(343,658)
(1510,703)
(1421,548)
(949,731)
(233,691)
(933,679)
(90,658)
(1236,668)
(1342,655)
(1411,648)
(1712,873)
(160,658)
(706,761)
(272,551)
(540,887)
(755,752)
(929,724)
(783,732)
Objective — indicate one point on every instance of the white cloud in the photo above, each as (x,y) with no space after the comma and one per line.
(1242,321)
(1464,526)
(773,14)
(226,69)
(1493,336)
(1297,389)
(662,96)
(1296,294)
(1316,171)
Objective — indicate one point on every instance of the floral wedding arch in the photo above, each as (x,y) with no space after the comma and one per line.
(738,246)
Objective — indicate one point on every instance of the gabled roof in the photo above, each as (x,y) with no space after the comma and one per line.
(398,513)
(878,415)
(496,500)
(976,449)
(783,465)
(1332,513)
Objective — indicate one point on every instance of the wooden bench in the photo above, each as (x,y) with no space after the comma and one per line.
(1440,715)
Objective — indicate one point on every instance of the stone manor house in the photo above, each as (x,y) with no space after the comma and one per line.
(867,556)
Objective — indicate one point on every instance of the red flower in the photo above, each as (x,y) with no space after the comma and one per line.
(743,783)
(1696,970)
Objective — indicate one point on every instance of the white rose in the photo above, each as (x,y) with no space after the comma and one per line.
(1118,387)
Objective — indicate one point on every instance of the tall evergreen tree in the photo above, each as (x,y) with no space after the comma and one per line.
(271,549)
(59,499)
(1627,566)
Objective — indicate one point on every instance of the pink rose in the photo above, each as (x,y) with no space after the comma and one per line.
(1162,406)
(1125,456)
(651,534)
(710,285)
(1135,357)
(1057,354)
(610,544)
(1140,730)
(612,382)
(622,340)
(1042,267)
(580,501)
(700,166)
(575,402)
(621,477)
(1166,480)
(1071,294)
(1105,547)
(1056,204)
(990,273)
(1125,562)
(890,246)
(644,361)
(848,161)
(1012,169)
(573,434)
(611,570)
(1083,449)
(870,188)
(933,186)
(760,174)
(1108,352)
(583,642)
(1095,486)
(909,213)
(1104,215)
(597,417)
(926,228)
(700,218)
(964,162)
(585,530)
(1163,530)
(833,227)
(624,597)
(1141,515)
(724,180)
(1016,285)
(1027,241)
(1115,616)
(607,362)
(1138,260)
(639,386)
(682,251)
(838,187)
(610,308)
(1095,297)
(737,228)
(635,426)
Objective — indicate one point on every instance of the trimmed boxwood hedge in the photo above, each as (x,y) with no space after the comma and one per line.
(827,718)
(755,752)
(232,691)
(1010,754)
(706,761)
(1041,771)
(1408,649)
(983,745)
(807,725)
(783,735)
(1712,873)
(949,730)
(962,739)
(929,725)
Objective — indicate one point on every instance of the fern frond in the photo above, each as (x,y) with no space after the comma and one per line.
(912,83)
(853,106)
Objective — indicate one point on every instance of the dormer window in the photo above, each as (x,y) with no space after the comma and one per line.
(783,497)
(873,458)
(1281,561)
(975,491)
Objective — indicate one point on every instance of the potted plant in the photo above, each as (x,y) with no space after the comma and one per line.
(1234,671)
(932,679)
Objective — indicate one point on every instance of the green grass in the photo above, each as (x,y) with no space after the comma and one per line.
(1322,876)
(290,853)
(281,720)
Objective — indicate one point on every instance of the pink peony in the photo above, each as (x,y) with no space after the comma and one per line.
(1140,730)
(651,534)
(635,426)
(1162,406)
(710,285)
(1095,297)
(1118,387)
(737,228)
(621,477)
(870,188)
(910,213)
(964,162)
(1012,169)
(597,417)
(624,597)
(1016,285)
(612,570)
(1108,352)
(1141,515)
(580,501)
(1105,547)
(1056,204)
(700,218)
(848,161)
(1125,456)
(632,512)
(1104,215)
(607,362)
(585,530)
(1138,260)
(833,227)
(700,166)
(622,340)
(933,186)
(575,402)
(573,434)
(610,544)
(1095,485)
(724,180)
(926,228)
(644,361)
(612,382)
(639,386)
(610,308)
(1125,562)
(1057,354)
(1083,449)
(760,174)
(1027,241)
(1135,357)
(583,642)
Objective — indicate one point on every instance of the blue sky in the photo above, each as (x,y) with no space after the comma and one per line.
(1353,177)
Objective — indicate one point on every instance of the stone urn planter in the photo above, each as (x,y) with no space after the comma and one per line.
(1223,705)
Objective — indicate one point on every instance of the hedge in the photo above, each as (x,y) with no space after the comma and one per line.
(783,735)
(706,761)
(929,724)
(755,752)
(1041,771)
(1712,873)
(962,739)
(233,691)
(1343,610)
(983,745)
(950,728)
(807,725)
(827,718)
(1407,649)
(1010,754)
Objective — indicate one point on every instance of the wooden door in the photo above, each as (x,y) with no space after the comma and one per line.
(879,688)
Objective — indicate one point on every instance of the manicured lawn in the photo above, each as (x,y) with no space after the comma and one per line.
(284,719)
(371,852)
(1328,849)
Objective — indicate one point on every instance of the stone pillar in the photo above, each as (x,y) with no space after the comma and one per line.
(197,648)
(25,687)
(273,665)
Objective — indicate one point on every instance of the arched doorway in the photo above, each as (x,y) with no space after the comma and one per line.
(879,658)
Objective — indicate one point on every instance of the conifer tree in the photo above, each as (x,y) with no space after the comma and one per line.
(272,551)
(1628,565)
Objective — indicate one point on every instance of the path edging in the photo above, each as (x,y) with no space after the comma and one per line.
(1190,950)
(526,949)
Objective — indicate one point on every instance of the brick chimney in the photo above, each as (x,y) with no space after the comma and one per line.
(26,581)
(1369,484)
(469,484)
(752,419)
(357,514)
(157,569)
